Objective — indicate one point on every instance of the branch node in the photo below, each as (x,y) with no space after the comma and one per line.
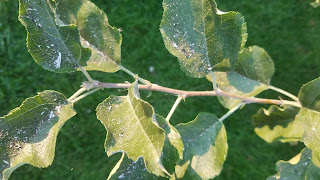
(218,91)
(90,84)
(183,96)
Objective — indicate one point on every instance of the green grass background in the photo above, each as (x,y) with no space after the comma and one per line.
(288,30)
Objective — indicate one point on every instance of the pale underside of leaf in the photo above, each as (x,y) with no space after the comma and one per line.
(132,128)
(278,124)
(56,48)
(96,34)
(200,37)
(309,117)
(28,133)
(128,169)
(310,122)
(205,151)
(251,76)
(315,4)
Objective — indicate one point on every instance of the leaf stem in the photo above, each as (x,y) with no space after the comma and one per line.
(85,95)
(284,93)
(174,107)
(86,74)
(143,81)
(231,111)
(214,83)
(155,87)
(76,94)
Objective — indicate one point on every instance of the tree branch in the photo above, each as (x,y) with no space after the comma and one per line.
(284,93)
(155,87)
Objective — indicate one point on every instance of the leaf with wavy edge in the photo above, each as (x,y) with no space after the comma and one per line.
(205,147)
(128,169)
(56,48)
(298,168)
(28,133)
(132,128)
(201,36)
(96,34)
(278,124)
(309,117)
(251,76)
(173,146)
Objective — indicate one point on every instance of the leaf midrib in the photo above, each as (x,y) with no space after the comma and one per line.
(55,28)
(138,119)
(204,34)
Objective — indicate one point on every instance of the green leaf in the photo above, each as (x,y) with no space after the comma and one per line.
(309,95)
(309,116)
(278,124)
(251,76)
(96,34)
(298,168)
(173,145)
(130,170)
(201,36)
(55,48)
(28,133)
(132,128)
(205,147)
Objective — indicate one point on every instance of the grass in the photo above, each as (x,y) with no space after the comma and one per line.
(289,32)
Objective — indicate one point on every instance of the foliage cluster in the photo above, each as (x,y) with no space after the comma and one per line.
(65,36)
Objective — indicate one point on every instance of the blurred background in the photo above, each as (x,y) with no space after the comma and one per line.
(288,30)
